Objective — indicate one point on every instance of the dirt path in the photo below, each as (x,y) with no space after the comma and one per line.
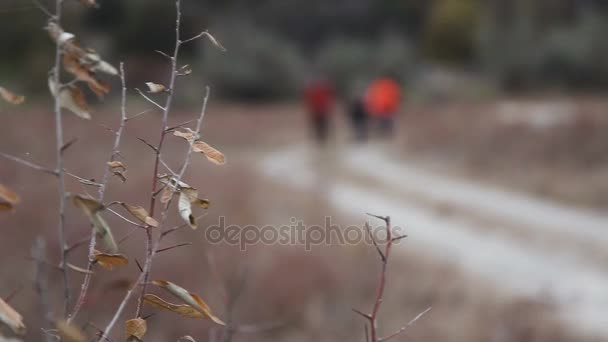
(525,246)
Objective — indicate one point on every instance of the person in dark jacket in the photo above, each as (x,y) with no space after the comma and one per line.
(359,119)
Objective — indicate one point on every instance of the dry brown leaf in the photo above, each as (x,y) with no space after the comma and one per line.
(92,58)
(117,166)
(211,153)
(72,64)
(187,338)
(189,298)
(136,328)
(215,41)
(9,195)
(11,318)
(182,309)
(203,203)
(184,207)
(8,198)
(79,269)
(155,88)
(71,98)
(92,210)
(70,332)
(118,169)
(88,205)
(108,261)
(10,97)
(166,195)
(189,136)
(141,214)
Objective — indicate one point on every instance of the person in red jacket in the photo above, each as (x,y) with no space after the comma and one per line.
(382,101)
(319,99)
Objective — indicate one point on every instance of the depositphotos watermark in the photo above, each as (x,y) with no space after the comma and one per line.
(297,233)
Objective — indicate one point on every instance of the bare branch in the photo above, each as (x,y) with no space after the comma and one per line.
(60,168)
(41,281)
(139,114)
(101,193)
(173,247)
(82,180)
(163,54)
(151,246)
(28,164)
(126,219)
(404,328)
(371,235)
(149,99)
(362,314)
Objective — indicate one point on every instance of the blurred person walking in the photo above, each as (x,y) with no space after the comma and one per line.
(319,99)
(359,119)
(382,101)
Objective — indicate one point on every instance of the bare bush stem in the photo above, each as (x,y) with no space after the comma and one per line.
(150,250)
(384,258)
(101,194)
(60,169)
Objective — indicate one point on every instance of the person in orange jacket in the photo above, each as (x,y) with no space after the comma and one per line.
(319,99)
(382,101)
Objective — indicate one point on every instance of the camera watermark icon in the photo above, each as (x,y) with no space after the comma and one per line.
(296,234)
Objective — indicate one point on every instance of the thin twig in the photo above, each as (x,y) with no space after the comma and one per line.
(43,9)
(139,114)
(372,317)
(404,328)
(126,219)
(199,124)
(41,282)
(28,164)
(101,193)
(82,180)
(173,247)
(150,249)
(149,99)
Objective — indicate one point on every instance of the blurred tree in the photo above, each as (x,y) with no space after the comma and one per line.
(451,31)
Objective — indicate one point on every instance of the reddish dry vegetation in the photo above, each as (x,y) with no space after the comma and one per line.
(267,292)
(553,147)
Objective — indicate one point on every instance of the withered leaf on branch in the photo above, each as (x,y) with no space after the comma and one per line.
(70,332)
(72,64)
(211,153)
(189,298)
(184,206)
(155,88)
(215,41)
(92,210)
(118,169)
(70,98)
(188,136)
(11,97)
(8,198)
(182,309)
(141,214)
(200,146)
(87,58)
(79,269)
(136,328)
(108,261)
(166,195)
(187,197)
(11,318)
